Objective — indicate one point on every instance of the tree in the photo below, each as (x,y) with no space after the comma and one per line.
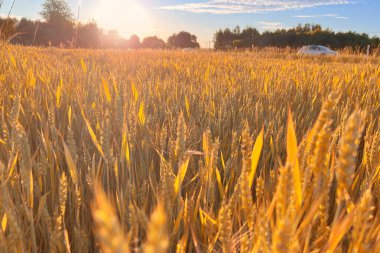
(183,40)
(134,42)
(8,28)
(153,42)
(223,39)
(89,35)
(249,37)
(27,29)
(59,28)
(293,37)
(56,11)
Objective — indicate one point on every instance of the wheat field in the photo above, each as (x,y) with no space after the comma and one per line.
(149,151)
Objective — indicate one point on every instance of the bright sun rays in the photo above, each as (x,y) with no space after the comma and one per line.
(125,16)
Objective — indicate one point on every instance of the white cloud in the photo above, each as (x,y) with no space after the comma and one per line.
(251,6)
(316,16)
(320,16)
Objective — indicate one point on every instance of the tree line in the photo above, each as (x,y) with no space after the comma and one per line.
(59,28)
(67,34)
(296,37)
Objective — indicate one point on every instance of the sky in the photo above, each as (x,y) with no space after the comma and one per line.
(204,17)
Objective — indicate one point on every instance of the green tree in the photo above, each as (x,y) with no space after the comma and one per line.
(89,35)
(153,42)
(183,40)
(134,42)
(8,28)
(293,37)
(56,11)
(59,28)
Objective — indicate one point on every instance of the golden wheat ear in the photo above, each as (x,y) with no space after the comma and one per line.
(107,228)
(157,238)
(225,228)
(348,152)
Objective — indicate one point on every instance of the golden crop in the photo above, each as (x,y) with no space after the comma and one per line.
(115,151)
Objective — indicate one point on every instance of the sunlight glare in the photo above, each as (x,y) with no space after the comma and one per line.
(125,16)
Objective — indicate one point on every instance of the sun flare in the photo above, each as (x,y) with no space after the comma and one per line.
(125,16)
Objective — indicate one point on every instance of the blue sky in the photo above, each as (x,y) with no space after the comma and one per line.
(204,17)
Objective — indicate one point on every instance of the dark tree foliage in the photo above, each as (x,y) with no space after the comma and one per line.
(66,34)
(153,42)
(183,40)
(293,37)
(27,31)
(223,39)
(58,28)
(134,42)
(8,28)
(89,35)
(61,31)
(56,34)
(56,11)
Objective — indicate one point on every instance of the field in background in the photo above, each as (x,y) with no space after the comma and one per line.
(188,152)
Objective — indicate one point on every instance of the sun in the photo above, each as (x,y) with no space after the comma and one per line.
(126,16)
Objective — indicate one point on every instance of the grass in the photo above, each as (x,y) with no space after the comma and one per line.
(147,151)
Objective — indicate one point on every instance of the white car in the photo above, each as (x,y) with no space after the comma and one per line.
(316,50)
